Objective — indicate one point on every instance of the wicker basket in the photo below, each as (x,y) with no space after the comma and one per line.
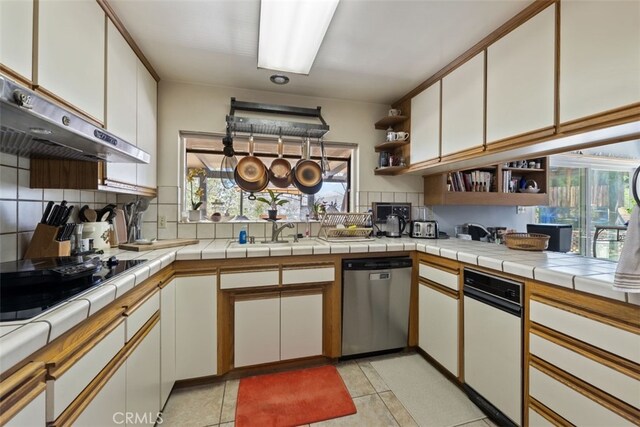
(527,241)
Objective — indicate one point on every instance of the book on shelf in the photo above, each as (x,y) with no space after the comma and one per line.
(472,181)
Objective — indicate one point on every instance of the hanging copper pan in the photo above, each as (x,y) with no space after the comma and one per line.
(280,171)
(252,187)
(307,175)
(250,168)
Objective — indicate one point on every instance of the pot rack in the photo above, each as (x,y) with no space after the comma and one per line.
(275,127)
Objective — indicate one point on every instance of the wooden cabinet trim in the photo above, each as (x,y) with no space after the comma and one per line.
(15,402)
(130,309)
(82,401)
(14,75)
(255,296)
(520,140)
(596,354)
(623,409)
(248,269)
(445,264)
(110,13)
(18,378)
(616,116)
(439,288)
(303,266)
(301,292)
(548,414)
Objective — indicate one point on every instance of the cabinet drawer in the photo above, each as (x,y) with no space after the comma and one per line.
(139,316)
(598,334)
(569,404)
(249,279)
(62,391)
(310,274)
(607,379)
(31,415)
(438,276)
(537,420)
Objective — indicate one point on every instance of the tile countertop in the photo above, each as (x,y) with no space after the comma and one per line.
(595,276)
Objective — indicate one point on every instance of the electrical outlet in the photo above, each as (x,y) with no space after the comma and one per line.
(162,221)
(520,210)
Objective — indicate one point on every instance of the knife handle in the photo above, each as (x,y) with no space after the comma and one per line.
(46,213)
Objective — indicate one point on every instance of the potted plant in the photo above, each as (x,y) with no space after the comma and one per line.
(318,208)
(275,200)
(195,195)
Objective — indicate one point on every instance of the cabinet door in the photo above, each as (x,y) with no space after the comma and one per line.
(143,380)
(425,124)
(300,325)
(520,78)
(167,340)
(147,125)
(463,107)
(122,87)
(71,47)
(31,415)
(257,330)
(196,327)
(438,327)
(108,407)
(599,57)
(16,36)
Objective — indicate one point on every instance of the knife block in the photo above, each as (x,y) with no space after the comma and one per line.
(44,244)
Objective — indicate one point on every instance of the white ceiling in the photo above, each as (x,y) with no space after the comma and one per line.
(374,50)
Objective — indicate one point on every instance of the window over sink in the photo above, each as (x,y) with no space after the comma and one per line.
(203,160)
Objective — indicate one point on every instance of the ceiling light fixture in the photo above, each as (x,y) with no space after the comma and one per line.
(279,79)
(291,33)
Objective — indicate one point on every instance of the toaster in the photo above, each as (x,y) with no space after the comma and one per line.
(424,229)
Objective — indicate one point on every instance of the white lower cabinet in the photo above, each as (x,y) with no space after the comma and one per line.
(143,380)
(257,330)
(167,340)
(31,415)
(438,326)
(108,408)
(196,326)
(300,325)
(277,326)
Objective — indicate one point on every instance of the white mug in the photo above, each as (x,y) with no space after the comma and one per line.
(391,136)
(402,136)
(394,112)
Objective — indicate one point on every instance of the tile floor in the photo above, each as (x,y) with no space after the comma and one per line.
(377,405)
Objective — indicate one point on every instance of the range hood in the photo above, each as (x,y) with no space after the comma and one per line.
(32,126)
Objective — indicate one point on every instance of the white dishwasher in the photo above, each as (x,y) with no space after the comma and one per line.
(493,345)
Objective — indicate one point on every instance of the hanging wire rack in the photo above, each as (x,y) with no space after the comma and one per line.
(341,227)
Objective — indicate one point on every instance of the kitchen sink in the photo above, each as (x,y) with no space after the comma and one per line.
(279,243)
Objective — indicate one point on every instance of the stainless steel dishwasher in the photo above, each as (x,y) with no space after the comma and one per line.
(375,304)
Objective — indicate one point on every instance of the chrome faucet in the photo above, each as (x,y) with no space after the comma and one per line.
(275,230)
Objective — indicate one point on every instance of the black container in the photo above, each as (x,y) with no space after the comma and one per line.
(560,235)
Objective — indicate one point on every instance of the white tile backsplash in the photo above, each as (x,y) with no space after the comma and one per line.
(8,216)
(24,192)
(9,180)
(8,247)
(53,194)
(8,160)
(29,215)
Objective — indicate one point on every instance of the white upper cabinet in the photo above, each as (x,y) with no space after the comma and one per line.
(147,125)
(599,57)
(122,94)
(71,59)
(16,36)
(520,78)
(425,124)
(463,107)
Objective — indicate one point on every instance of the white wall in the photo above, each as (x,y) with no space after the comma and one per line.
(489,216)
(192,107)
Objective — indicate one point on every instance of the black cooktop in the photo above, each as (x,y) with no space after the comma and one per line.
(29,287)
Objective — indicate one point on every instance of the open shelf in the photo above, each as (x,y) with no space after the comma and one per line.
(389,170)
(436,193)
(390,146)
(385,122)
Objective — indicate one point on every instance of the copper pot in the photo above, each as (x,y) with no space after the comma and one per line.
(252,187)
(280,170)
(307,175)
(250,168)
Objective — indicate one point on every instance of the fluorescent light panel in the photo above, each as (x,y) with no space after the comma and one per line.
(291,32)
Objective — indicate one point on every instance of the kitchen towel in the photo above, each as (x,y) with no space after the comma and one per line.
(627,277)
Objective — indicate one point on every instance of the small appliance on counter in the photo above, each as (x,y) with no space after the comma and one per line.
(395,225)
(559,235)
(424,229)
(478,232)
